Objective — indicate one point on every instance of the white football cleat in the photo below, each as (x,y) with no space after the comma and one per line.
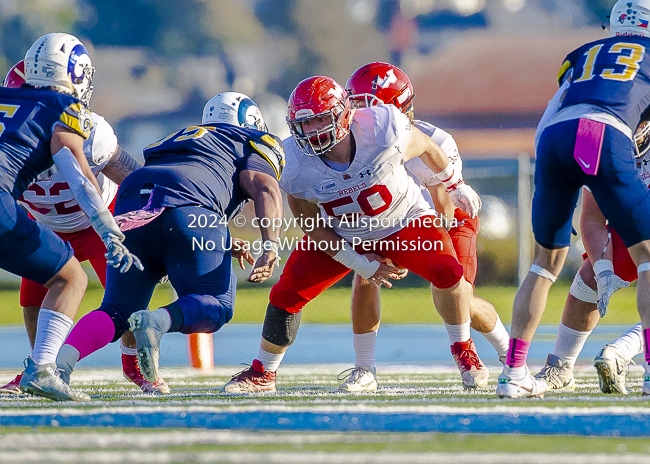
(358,379)
(558,375)
(43,380)
(612,368)
(527,387)
(148,332)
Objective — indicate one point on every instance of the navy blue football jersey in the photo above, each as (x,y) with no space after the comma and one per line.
(27,120)
(611,73)
(200,165)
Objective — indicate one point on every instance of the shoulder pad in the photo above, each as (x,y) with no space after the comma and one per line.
(271,150)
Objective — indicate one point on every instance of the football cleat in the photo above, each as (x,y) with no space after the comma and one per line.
(148,332)
(358,379)
(252,380)
(645,387)
(472,370)
(527,387)
(12,387)
(43,380)
(131,372)
(556,374)
(612,369)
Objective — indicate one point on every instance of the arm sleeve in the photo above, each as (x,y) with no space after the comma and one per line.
(256,162)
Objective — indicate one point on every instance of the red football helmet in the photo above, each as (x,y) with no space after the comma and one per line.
(15,76)
(314,98)
(376,83)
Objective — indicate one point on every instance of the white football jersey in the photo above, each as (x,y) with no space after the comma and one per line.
(643,168)
(420,170)
(49,198)
(375,189)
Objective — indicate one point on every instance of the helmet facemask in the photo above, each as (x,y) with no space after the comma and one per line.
(320,141)
(642,139)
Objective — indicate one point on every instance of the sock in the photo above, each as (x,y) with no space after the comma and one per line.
(631,343)
(498,338)
(569,343)
(517,352)
(128,351)
(646,344)
(51,330)
(270,361)
(67,358)
(163,317)
(93,331)
(458,333)
(364,349)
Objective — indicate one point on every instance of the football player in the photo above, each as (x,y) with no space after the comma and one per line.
(345,176)
(588,139)
(383,83)
(175,211)
(589,296)
(45,123)
(49,200)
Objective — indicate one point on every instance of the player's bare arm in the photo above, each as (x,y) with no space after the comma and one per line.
(462,195)
(441,200)
(302,209)
(264,190)
(241,252)
(120,165)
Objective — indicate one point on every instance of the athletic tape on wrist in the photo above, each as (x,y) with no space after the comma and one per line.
(603,266)
(358,263)
(540,271)
(643,267)
(449,176)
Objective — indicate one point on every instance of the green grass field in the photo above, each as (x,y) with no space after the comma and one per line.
(399,305)
(312,389)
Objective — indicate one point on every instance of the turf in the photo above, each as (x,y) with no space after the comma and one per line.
(399,305)
(407,390)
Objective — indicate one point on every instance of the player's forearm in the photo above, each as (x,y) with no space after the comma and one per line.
(85,193)
(268,204)
(120,166)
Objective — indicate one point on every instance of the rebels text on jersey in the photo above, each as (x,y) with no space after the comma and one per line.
(200,165)
(27,120)
(612,74)
(375,186)
(50,200)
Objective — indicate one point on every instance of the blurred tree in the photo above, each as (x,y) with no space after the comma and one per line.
(22,22)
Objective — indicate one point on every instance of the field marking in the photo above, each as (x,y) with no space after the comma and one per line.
(385,457)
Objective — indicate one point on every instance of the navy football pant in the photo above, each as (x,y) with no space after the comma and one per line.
(203,279)
(27,248)
(617,187)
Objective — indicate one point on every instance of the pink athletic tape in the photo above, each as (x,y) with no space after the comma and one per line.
(589,143)
(517,352)
(646,344)
(93,331)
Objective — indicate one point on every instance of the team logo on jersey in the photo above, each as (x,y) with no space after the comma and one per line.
(324,187)
(347,177)
(365,173)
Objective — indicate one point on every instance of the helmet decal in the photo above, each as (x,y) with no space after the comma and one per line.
(76,67)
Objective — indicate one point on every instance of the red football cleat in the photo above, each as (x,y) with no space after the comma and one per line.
(132,372)
(13,387)
(252,380)
(472,370)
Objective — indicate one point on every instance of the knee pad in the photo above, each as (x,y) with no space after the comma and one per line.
(540,271)
(280,326)
(582,291)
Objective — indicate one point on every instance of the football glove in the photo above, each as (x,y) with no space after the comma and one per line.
(464,197)
(607,282)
